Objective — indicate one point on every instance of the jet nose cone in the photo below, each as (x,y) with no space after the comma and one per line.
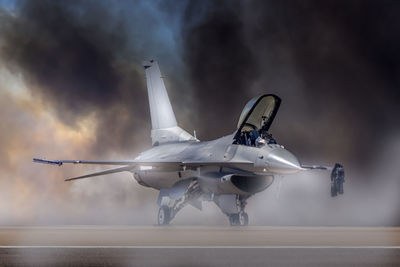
(282,161)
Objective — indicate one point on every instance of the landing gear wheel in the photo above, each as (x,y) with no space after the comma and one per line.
(239,219)
(234,219)
(243,219)
(164,215)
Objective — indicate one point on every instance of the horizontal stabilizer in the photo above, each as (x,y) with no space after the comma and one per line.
(115,170)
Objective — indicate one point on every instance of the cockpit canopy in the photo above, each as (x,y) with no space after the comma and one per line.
(258,115)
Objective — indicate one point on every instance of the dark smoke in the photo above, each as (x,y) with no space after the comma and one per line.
(221,64)
(334,63)
(76,56)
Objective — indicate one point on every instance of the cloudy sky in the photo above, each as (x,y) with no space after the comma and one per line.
(72,87)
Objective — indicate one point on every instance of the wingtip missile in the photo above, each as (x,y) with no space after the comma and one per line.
(44,161)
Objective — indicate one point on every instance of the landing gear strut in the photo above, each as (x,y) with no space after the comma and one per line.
(241,218)
(170,207)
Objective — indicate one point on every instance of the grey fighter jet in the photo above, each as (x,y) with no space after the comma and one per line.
(227,170)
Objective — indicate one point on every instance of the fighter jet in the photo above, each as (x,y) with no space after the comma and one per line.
(227,170)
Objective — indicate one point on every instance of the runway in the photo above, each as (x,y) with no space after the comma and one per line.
(199,246)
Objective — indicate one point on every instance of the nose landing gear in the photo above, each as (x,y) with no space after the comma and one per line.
(235,210)
(239,219)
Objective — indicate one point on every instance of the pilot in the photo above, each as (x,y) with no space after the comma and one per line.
(253,137)
(242,139)
(247,138)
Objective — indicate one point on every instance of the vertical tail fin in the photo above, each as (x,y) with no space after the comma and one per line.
(162,115)
(164,126)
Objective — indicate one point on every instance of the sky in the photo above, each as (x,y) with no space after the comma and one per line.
(72,87)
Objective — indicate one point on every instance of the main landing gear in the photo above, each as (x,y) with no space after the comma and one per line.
(169,208)
(172,200)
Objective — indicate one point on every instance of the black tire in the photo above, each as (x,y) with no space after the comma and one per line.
(234,219)
(164,215)
(239,219)
(243,219)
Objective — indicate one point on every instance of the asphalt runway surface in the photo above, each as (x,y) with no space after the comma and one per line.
(199,246)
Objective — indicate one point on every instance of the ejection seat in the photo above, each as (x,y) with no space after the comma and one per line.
(257,115)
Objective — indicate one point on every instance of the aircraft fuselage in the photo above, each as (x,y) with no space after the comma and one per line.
(264,163)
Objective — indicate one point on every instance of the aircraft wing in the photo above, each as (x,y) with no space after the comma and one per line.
(98,162)
(129,165)
(132,163)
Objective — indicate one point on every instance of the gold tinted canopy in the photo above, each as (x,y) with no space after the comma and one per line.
(259,113)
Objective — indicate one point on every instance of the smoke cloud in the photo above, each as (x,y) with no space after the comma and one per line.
(78,65)
(72,86)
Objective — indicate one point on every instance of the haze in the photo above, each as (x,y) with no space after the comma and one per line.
(72,86)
